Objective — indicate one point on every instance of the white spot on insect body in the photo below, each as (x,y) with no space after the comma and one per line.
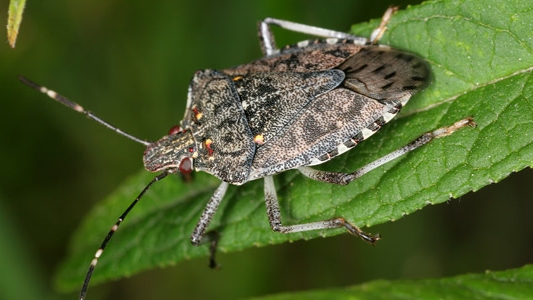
(303,44)
(332,41)
(367,133)
(387,116)
(342,148)
(404,100)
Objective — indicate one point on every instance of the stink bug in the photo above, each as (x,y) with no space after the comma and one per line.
(296,107)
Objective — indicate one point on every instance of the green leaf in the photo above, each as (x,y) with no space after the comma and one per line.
(16,8)
(509,284)
(481,61)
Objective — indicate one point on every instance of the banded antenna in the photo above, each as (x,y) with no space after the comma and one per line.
(76,107)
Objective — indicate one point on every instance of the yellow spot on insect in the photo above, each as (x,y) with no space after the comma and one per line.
(259,139)
(197,114)
(237,78)
(208,143)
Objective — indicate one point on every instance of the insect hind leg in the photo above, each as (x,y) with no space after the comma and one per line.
(380,30)
(345,178)
(274,218)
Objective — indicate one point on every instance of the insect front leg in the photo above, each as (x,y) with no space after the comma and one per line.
(274,218)
(345,178)
(208,213)
(268,43)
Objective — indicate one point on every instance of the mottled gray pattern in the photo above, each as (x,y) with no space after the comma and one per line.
(168,151)
(222,122)
(328,121)
(272,101)
(318,56)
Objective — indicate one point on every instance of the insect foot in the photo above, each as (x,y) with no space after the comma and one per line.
(296,107)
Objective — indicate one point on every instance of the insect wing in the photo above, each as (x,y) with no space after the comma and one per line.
(327,123)
(273,101)
(378,82)
(384,73)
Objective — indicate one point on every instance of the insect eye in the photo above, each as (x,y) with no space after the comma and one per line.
(186,165)
(174,130)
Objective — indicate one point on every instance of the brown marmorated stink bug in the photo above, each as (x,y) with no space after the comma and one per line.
(296,107)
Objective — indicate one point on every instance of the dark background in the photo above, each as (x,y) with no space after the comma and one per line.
(130,62)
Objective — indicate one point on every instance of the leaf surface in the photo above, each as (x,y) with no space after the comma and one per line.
(16,8)
(509,284)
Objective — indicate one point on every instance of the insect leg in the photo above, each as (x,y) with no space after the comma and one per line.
(213,237)
(274,218)
(268,44)
(209,212)
(266,39)
(345,178)
(380,30)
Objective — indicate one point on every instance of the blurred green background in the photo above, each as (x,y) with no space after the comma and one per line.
(130,62)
